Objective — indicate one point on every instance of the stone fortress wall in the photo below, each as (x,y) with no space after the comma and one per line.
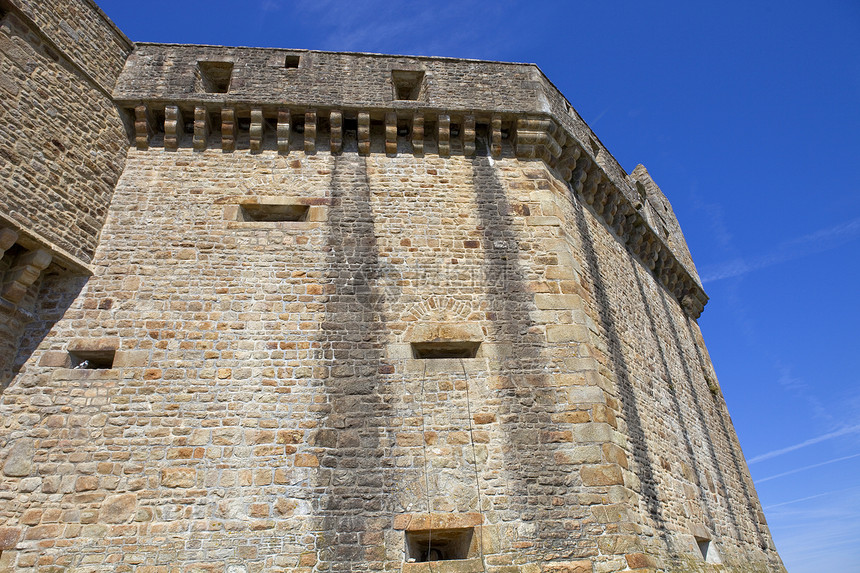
(62,149)
(348,308)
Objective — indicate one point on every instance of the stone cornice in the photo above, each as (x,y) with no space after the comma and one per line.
(532,136)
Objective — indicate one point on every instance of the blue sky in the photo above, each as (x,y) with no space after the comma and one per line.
(747,114)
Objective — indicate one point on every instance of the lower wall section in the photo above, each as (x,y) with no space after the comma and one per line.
(241,395)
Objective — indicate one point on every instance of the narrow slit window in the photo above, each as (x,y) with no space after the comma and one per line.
(263,213)
(292,61)
(214,76)
(438,544)
(92,359)
(445,349)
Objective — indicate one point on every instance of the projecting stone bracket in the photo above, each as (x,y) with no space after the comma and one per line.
(25,271)
(532,137)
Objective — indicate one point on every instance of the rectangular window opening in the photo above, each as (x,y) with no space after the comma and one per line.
(438,544)
(254,212)
(407,84)
(292,61)
(445,349)
(92,359)
(214,76)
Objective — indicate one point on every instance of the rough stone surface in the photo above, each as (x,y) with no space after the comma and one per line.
(264,409)
(19,458)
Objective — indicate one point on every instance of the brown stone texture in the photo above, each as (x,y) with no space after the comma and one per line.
(62,148)
(265,410)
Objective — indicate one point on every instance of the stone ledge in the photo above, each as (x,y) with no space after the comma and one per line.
(424,521)
(450,566)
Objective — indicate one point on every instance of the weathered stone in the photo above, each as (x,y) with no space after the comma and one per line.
(9,537)
(19,460)
(609,474)
(582,566)
(178,477)
(263,302)
(118,508)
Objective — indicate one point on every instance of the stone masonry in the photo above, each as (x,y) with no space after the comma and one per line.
(282,310)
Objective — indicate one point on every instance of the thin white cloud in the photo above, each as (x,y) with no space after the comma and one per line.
(804,468)
(798,500)
(809,442)
(817,242)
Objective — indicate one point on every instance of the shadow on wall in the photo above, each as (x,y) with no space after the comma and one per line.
(352,479)
(527,400)
(25,325)
(626,391)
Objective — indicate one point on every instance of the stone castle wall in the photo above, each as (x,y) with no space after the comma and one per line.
(235,393)
(62,144)
(265,410)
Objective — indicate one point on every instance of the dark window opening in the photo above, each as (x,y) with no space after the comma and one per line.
(445,349)
(438,544)
(482,139)
(292,61)
(272,213)
(215,76)
(350,124)
(243,123)
(9,258)
(92,359)
(407,84)
(158,120)
(708,551)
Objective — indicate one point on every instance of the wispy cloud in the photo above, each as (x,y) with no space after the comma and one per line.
(409,27)
(798,500)
(804,468)
(817,242)
(594,121)
(809,442)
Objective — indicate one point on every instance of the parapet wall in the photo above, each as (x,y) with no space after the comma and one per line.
(433,104)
